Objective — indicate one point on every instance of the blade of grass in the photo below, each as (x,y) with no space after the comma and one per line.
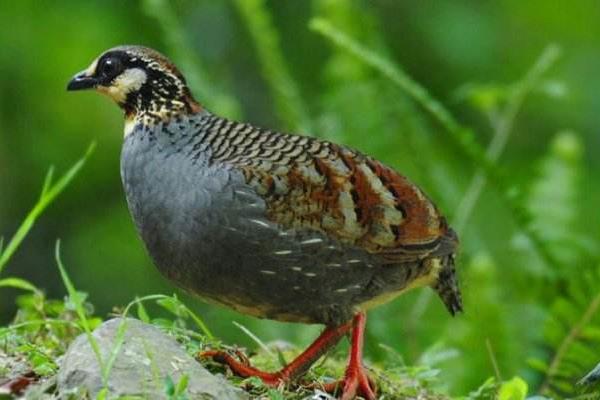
(120,334)
(288,101)
(18,283)
(121,330)
(114,351)
(142,313)
(49,193)
(48,321)
(198,321)
(47,181)
(81,314)
(254,338)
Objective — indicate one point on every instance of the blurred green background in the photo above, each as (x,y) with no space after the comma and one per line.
(259,61)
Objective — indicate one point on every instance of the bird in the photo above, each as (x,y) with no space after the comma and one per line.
(274,225)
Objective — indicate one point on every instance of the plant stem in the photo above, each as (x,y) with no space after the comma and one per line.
(502,130)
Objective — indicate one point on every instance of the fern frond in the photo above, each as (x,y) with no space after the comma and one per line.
(573,331)
(552,202)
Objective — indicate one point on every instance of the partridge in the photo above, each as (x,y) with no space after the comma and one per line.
(274,225)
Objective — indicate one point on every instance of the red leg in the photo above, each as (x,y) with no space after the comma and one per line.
(328,338)
(356,381)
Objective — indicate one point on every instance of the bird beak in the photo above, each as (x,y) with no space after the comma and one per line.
(82,81)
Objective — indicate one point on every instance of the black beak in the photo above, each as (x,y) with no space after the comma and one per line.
(81,81)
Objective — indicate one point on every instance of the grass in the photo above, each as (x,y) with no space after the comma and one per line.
(50,191)
(37,337)
(43,329)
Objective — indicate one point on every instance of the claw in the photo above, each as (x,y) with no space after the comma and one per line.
(356,381)
(243,368)
(290,372)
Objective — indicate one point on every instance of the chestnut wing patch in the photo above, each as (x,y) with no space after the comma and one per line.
(317,185)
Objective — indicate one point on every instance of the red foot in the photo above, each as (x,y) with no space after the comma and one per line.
(356,381)
(243,368)
(290,372)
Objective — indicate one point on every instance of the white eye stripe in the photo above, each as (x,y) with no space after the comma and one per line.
(91,70)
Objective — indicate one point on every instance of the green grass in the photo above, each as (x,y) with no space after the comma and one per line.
(543,269)
(50,191)
(43,329)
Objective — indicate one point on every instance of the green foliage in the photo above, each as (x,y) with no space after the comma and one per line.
(376,76)
(41,331)
(288,102)
(515,389)
(572,332)
(551,199)
(50,191)
(196,73)
(501,104)
(176,391)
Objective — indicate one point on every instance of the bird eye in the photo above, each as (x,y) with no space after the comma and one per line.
(110,67)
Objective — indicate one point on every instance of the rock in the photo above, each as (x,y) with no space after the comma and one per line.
(146,359)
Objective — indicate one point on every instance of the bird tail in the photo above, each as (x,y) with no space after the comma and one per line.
(447,286)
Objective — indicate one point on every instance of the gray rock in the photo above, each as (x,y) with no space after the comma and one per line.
(145,360)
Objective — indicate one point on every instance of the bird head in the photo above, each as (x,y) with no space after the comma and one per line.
(140,80)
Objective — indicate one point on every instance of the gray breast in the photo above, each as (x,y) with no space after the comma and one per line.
(208,231)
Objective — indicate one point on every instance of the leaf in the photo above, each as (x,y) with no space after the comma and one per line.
(18,283)
(254,338)
(552,197)
(169,386)
(114,351)
(142,313)
(275,395)
(177,308)
(570,334)
(182,385)
(102,394)
(487,390)
(77,301)
(47,181)
(515,389)
(173,305)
